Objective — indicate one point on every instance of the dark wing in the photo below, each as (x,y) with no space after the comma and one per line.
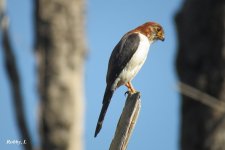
(121,55)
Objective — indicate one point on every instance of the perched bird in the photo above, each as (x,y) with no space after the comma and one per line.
(126,60)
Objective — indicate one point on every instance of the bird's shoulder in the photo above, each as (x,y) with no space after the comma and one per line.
(121,54)
(128,43)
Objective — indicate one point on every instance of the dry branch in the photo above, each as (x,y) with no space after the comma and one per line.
(14,79)
(202,97)
(126,122)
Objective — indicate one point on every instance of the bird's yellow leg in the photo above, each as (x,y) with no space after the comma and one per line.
(130,87)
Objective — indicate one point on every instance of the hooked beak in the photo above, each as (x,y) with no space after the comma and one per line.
(160,36)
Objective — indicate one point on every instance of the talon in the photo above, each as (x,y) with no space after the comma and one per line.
(133,91)
(130,88)
(126,93)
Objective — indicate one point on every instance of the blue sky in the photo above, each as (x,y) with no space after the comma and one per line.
(158,124)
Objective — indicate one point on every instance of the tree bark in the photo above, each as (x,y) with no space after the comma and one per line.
(60,48)
(201,64)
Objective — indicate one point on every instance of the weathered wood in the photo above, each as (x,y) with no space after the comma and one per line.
(126,122)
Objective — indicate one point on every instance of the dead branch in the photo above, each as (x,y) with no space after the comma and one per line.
(14,79)
(202,97)
(126,122)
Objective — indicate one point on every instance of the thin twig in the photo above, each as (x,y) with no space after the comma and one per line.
(14,79)
(202,97)
(126,122)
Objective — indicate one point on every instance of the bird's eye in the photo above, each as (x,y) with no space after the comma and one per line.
(158,29)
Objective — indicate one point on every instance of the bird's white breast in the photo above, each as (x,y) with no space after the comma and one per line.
(135,63)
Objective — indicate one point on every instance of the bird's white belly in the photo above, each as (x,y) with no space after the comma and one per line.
(135,64)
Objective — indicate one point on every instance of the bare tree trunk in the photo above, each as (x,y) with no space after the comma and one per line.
(201,64)
(61,52)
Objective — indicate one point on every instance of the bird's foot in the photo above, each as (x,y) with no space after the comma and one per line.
(126,93)
(130,91)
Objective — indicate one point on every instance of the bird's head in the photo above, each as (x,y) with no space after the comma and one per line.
(152,30)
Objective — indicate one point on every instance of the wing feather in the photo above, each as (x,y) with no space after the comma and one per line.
(121,55)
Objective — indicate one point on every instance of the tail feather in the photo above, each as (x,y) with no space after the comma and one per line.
(105,103)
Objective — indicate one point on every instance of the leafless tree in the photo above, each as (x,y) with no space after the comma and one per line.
(14,78)
(201,64)
(60,49)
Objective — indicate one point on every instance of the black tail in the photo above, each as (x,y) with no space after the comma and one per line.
(105,103)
